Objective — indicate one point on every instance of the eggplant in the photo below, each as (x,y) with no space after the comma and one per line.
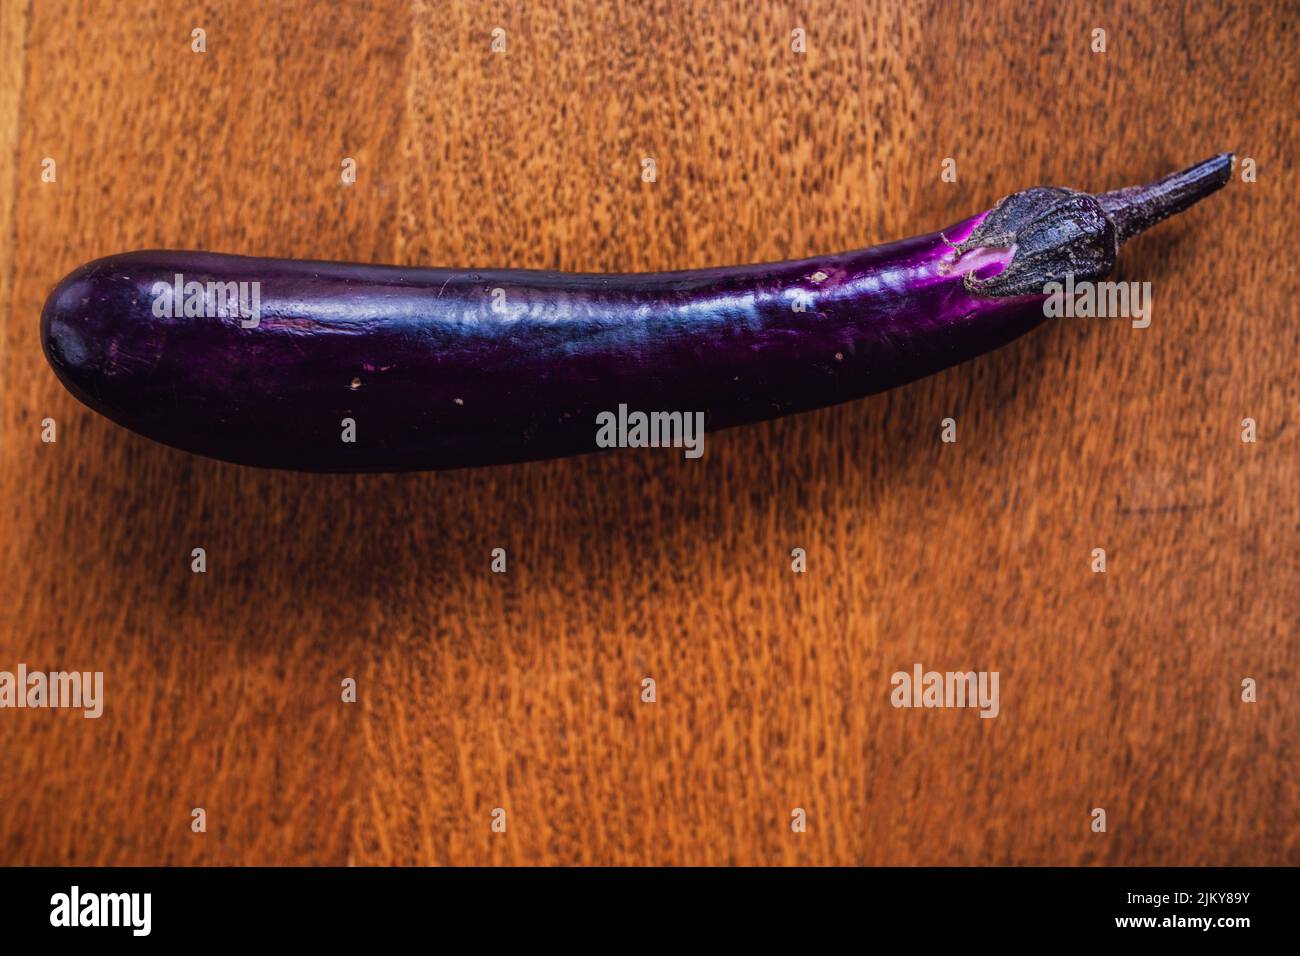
(345,367)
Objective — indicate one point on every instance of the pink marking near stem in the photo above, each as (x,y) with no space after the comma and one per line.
(985,261)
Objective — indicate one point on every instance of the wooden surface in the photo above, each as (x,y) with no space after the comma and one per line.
(522,691)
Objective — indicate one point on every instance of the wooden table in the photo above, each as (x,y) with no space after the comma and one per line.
(1119,690)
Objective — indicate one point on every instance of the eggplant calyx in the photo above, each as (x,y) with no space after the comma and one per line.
(1055,231)
(1058,231)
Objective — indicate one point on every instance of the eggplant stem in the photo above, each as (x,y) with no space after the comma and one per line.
(1137,208)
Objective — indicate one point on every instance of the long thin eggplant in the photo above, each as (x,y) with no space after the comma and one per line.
(322,366)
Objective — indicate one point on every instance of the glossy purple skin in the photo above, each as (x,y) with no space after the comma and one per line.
(439,372)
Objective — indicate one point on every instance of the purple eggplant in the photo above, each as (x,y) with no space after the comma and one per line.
(323,366)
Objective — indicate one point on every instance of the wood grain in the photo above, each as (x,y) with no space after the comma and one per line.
(522,691)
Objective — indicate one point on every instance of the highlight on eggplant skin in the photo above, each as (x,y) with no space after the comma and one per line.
(445,368)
